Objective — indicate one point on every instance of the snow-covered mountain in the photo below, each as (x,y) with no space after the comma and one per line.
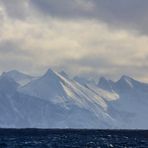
(56,101)
(82,104)
(19,77)
(130,107)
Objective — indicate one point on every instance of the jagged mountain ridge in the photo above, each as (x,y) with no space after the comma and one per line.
(19,77)
(55,101)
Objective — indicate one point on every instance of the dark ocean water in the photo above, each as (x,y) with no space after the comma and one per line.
(35,138)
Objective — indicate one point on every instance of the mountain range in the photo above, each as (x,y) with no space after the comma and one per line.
(54,100)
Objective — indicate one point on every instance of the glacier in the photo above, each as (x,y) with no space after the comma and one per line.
(54,100)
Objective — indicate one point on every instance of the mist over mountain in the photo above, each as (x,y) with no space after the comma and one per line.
(55,100)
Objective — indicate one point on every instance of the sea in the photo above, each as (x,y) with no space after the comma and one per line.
(73,138)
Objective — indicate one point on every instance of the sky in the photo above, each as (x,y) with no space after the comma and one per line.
(91,38)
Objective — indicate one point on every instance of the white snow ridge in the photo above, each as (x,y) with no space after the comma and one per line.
(56,101)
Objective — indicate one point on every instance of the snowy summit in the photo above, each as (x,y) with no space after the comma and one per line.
(56,101)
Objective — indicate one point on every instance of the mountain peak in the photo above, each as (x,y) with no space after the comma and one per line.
(16,73)
(3,74)
(6,78)
(125,77)
(18,77)
(49,72)
(103,79)
(7,84)
(13,71)
(48,87)
(64,74)
(125,82)
(105,84)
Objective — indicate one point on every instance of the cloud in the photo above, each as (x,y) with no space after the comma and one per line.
(124,14)
(64,8)
(78,36)
(15,8)
(117,13)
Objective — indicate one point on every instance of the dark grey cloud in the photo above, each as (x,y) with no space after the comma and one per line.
(12,48)
(124,13)
(81,45)
(8,46)
(15,8)
(12,56)
(129,14)
(61,8)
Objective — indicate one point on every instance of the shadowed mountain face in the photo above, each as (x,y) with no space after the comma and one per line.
(19,77)
(56,101)
(7,85)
